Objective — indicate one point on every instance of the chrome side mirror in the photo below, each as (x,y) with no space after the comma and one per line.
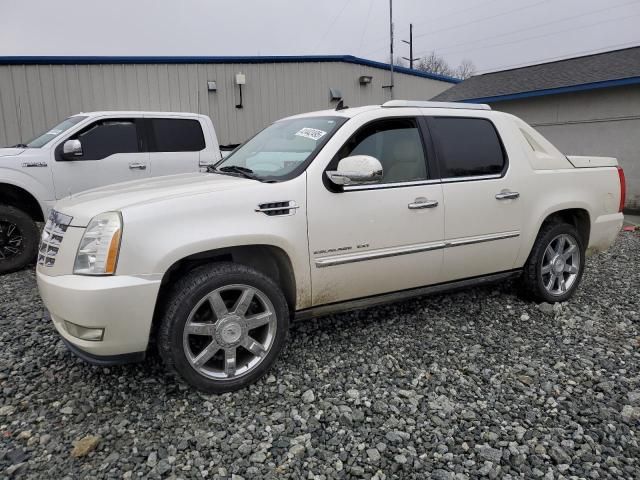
(357,170)
(72,149)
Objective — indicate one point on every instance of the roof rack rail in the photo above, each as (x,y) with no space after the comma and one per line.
(425,104)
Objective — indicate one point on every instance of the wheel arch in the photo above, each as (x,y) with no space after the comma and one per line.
(21,199)
(270,260)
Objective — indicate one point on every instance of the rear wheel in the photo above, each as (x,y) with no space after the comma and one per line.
(223,328)
(19,238)
(556,264)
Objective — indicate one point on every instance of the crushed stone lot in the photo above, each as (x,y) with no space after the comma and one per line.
(471,384)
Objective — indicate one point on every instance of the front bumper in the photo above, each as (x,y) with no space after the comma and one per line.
(122,305)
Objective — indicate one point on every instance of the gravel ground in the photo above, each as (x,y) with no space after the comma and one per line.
(478,383)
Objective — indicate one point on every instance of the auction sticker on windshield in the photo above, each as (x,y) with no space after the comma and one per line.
(312,133)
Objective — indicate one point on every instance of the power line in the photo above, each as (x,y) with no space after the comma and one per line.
(447,15)
(542,35)
(432,32)
(545,24)
(560,57)
(335,19)
(501,14)
(366,24)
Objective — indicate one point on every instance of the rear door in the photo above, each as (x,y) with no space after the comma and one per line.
(484,211)
(174,144)
(113,151)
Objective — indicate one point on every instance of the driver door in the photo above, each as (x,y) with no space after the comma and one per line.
(371,239)
(112,152)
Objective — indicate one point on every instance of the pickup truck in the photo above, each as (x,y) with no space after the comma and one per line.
(90,150)
(320,213)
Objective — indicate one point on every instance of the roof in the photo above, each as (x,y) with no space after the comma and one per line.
(601,70)
(432,108)
(82,60)
(96,113)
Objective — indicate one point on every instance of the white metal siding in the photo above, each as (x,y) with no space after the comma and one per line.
(602,122)
(35,97)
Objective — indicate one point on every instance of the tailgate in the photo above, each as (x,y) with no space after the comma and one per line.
(590,162)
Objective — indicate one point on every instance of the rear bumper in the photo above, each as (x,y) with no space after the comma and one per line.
(604,231)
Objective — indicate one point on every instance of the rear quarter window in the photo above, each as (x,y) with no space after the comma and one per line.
(176,135)
(467,147)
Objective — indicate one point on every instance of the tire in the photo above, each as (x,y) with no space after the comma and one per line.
(541,268)
(205,324)
(19,238)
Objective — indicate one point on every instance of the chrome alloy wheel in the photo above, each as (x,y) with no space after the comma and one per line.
(10,240)
(560,264)
(229,332)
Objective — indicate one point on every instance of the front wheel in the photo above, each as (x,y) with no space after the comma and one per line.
(19,238)
(556,264)
(223,327)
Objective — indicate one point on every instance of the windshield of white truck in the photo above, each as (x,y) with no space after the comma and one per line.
(282,149)
(42,140)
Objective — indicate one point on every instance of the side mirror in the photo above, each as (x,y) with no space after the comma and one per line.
(71,149)
(357,170)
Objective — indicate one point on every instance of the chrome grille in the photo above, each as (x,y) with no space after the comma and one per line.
(52,236)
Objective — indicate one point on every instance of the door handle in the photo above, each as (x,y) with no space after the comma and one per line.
(506,195)
(422,202)
(137,166)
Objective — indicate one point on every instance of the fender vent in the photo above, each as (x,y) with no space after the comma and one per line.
(273,209)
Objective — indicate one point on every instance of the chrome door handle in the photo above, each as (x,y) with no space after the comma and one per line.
(137,166)
(507,195)
(422,203)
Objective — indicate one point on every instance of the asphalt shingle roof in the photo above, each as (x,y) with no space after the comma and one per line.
(600,67)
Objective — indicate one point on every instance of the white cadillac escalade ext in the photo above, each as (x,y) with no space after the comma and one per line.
(90,150)
(319,213)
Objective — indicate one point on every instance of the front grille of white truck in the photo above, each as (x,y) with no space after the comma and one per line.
(273,209)
(52,236)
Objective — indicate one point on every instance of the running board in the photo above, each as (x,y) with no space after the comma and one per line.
(402,295)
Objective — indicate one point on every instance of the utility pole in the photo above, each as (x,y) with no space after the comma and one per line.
(390,86)
(410,43)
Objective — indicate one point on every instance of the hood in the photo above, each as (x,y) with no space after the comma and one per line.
(11,151)
(86,205)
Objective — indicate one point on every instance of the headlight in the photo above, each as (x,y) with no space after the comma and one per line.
(100,245)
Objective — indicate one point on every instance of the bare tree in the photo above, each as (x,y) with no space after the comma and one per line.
(465,70)
(434,63)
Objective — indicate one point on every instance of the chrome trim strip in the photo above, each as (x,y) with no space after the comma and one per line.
(467,179)
(402,295)
(390,185)
(334,260)
(458,242)
(375,254)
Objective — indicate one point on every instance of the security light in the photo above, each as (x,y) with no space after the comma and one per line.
(365,79)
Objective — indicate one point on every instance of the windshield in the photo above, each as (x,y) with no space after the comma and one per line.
(282,147)
(46,137)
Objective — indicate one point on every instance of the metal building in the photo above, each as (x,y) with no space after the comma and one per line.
(586,105)
(37,92)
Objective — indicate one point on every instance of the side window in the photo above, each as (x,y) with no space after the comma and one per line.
(176,135)
(467,147)
(396,143)
(108,137)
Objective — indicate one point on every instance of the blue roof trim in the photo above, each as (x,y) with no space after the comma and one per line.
(555,91)
(67,60)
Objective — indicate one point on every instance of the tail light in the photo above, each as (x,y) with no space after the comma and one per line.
(623,188)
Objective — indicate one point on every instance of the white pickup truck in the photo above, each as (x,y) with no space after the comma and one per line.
(320,213)
(90,150)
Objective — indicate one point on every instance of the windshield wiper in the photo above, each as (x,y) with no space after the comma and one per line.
(242,171)
(20,145)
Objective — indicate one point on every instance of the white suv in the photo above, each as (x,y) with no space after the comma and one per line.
(90,150)
(320,213)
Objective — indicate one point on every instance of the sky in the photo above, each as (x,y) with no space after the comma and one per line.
(493,34)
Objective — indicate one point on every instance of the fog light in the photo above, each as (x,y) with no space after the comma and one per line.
(84,333)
